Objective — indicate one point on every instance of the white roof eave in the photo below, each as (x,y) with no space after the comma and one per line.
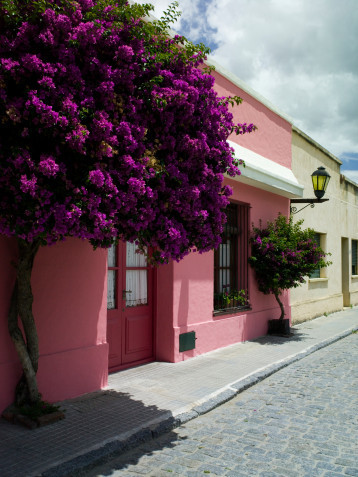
(266,174)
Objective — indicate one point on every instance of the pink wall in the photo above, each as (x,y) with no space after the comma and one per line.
(69,285)
(185,289)
(272,139)
(163,314)
(189,295)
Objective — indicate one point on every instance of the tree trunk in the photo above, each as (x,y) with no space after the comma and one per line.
(21,307)
(277,296)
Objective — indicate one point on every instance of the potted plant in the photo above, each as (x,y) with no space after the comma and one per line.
(282,254)
(238,297)
(230,299)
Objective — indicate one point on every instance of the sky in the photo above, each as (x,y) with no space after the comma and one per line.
(301,55)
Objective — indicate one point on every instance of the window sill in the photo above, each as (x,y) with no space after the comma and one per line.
(231,311)
(354,277)
(315,280)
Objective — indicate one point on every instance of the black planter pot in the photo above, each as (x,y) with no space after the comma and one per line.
(278,327)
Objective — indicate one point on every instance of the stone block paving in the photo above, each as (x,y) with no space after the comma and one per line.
(300,422)
(142,403)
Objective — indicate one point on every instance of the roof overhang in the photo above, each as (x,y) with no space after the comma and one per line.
(266,174)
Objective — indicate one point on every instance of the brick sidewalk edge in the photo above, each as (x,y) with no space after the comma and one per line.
(151,430)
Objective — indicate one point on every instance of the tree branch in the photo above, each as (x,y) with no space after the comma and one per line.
(21,348)
(27,253)
(277,296)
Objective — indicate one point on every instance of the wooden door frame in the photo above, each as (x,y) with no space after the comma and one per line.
(153,272)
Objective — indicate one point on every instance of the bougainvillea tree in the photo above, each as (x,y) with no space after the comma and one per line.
(282,255)
(110,130)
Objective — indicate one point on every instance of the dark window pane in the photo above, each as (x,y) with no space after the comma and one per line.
(230,260)
(317,272)
(354,257)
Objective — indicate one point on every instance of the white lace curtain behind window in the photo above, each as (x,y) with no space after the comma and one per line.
(111,278)
(136,280)
(224,261)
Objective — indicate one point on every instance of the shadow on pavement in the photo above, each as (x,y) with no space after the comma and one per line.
(96,426)
(110,465)
(295,335)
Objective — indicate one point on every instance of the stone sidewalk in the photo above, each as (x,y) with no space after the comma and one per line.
(143,402)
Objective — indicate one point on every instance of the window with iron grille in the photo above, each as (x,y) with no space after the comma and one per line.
(317,273)
(354,257)
(231,261)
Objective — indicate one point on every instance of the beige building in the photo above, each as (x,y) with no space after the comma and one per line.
(336,225)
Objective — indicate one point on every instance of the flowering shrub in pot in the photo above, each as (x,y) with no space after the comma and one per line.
(282,255)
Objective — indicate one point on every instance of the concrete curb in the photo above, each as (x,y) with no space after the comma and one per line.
(152,430)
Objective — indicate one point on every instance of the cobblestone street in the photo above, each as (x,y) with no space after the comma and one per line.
(301,421)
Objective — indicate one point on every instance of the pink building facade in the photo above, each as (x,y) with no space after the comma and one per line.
(97,313)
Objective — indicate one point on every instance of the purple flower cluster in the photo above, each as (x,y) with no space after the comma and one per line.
(48,166)
(109,132)
(282,254)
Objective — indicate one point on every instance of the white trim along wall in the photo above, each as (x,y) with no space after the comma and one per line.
(265,174)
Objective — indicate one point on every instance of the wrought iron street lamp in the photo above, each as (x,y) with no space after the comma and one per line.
(320,179)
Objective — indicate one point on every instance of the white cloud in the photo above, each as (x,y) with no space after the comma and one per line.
(302,55)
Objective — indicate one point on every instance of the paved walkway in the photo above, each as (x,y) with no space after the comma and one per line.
(301,421)
(146,401)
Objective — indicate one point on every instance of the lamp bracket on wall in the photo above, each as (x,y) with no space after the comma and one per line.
(309,202)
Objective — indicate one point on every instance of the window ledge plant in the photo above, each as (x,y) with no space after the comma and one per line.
(230,299)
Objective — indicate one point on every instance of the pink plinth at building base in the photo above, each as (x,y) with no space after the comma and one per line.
(69,287)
